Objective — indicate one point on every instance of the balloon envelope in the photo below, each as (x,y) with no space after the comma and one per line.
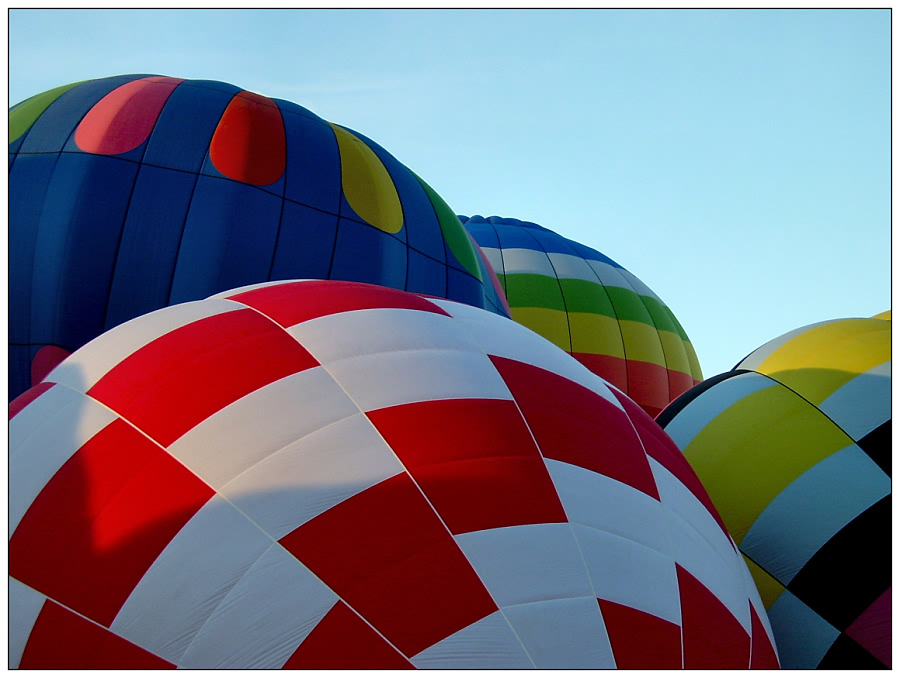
(131,193)
(321,474)
(794,447)
(592,307)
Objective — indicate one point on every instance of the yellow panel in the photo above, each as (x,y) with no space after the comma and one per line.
(673,348)
(755,448)
(769,588)
(855,345)
(696,373)
(642,342)
(367,184)
(821,360)
(597,334)
(549,323)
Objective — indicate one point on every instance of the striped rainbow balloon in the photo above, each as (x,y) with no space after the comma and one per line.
(592,307)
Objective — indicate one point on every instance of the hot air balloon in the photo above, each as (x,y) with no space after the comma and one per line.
(131,193)
(325,474)
(794,447)
(592,307)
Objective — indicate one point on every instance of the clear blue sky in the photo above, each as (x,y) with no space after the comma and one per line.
(736,161)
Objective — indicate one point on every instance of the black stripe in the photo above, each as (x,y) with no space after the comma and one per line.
(851,570)
(845,653)
(877,444)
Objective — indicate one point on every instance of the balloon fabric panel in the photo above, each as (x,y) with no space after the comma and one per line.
(52,130)
(88,645)
(248,144)
(23,115)
(77,239)
(185,127)
(124,118)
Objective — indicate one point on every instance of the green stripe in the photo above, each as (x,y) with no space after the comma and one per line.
(583,296)
(22,116)
(455,234)
(629,305)
(531,290)
(662,316)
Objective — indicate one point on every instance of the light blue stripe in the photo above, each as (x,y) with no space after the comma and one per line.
(698,413)
(863,403)
(812,509)
(801,636)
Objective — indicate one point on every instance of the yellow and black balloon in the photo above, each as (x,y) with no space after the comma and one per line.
(794,448)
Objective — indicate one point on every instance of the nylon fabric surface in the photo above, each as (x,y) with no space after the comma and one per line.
(273,512)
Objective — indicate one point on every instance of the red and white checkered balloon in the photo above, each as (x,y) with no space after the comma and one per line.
(318,474)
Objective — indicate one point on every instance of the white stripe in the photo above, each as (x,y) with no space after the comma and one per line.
(515,562)
(520,260)
(263,618)
(700,546)
(251,428)
(189,579)
(24,607)
(381,330)
(606,504)
(495,258)
(389,379)
(608,275)
(84,368)
(701,411)
(313,474)
(505,338)
(570,266)
(626,572)
(489,643)
(563,634)
(43,437)
(863,403)
(638,286)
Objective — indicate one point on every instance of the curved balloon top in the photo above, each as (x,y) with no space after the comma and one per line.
(592,307)
(842,366)
(130,193)
(794,447)
(324,474)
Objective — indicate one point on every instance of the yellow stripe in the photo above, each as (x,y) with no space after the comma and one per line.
(675,352)
(696,373)
(597,334)
(821,360)
(769,588)
(642,342)
(885,315)
(367,184)
(755,448)
(549,323)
